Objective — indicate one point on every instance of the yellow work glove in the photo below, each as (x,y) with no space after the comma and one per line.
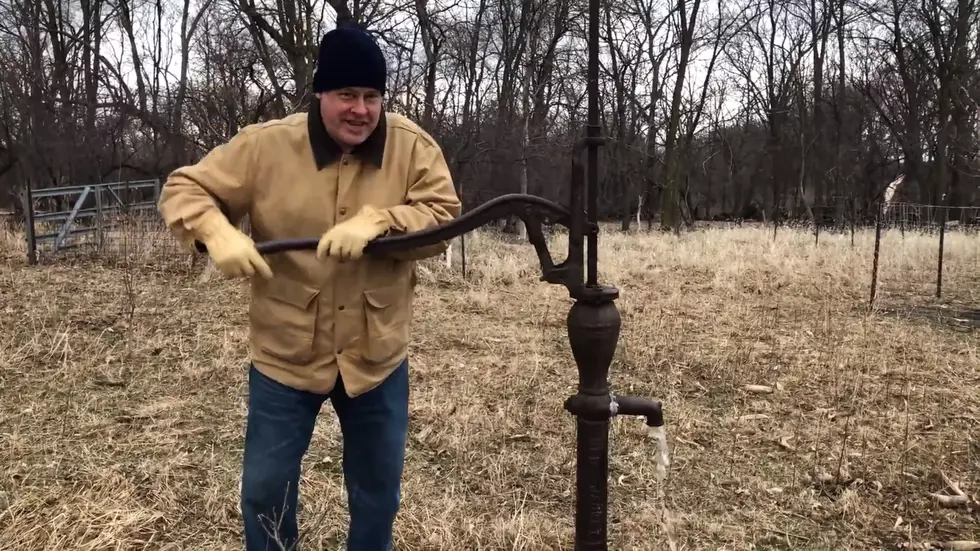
(232,251)
(348,238)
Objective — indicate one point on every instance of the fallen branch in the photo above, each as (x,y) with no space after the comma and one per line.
(960,545)
(958,499)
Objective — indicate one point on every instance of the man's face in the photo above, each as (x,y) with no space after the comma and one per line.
(350,114)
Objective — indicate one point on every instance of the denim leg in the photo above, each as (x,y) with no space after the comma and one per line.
(278,432)
(375,429)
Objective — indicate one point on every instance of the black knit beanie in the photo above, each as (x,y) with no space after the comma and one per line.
(349,56)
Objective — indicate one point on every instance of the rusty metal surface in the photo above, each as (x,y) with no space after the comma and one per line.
(534,211)
(594,324)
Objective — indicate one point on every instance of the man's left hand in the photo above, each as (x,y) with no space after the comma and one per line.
(348,239)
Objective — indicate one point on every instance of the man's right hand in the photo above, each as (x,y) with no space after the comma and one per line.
(233,252)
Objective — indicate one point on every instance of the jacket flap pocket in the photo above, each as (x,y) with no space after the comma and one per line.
(382,297)
(291,292)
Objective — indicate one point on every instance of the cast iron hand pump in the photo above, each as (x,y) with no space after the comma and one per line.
(593,321)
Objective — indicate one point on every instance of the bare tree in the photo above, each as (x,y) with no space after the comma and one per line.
(774,108)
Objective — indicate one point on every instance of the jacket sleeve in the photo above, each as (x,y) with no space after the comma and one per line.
(431,199)
(220,184)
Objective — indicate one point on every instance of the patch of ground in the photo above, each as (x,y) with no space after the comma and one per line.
(122,400)
(961,317)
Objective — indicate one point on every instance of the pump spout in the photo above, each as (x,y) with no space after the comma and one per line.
(634,405)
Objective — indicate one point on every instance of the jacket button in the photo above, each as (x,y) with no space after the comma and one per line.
(341,307)
(343,211)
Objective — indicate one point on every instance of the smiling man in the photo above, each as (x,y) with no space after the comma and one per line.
(333,325)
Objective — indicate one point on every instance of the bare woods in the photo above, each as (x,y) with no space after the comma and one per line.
(741,108)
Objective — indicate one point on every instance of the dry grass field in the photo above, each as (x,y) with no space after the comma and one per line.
(122,399)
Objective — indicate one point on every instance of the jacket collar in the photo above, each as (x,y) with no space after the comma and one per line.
(326,150)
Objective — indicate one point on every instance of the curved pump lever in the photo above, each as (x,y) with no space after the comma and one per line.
(531,209)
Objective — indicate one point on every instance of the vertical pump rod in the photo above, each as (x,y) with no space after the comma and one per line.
(592,132)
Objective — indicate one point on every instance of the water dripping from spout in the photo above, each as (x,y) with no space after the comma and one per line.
(662,459)
(661,454)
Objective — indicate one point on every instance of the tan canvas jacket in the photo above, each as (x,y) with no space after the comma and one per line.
(314,317)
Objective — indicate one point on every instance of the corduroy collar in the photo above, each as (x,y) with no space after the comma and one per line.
(326,150)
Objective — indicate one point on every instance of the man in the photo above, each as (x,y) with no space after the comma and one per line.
(334,324)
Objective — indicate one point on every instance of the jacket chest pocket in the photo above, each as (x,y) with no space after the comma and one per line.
(284,320)
(387,313)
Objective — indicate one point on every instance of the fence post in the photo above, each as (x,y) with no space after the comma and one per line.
(942,238)
(462,253)
(874,262)
(28,201)
(816,226)
(98,216)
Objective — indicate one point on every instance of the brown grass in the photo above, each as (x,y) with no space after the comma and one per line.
(122,399)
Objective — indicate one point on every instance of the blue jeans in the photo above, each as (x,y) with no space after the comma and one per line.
(278,432)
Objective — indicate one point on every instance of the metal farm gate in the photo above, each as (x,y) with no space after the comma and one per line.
(93,210)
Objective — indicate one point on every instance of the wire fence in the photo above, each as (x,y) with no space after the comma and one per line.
(926,226)
(140,237)
(934,221)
